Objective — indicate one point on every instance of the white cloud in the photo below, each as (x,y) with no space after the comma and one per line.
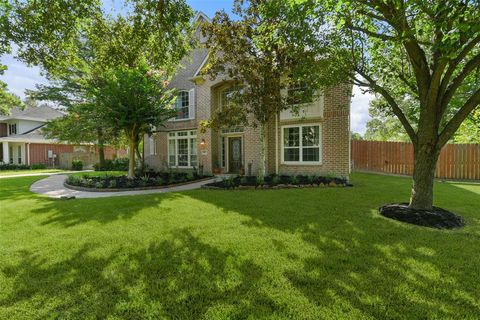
(359,110)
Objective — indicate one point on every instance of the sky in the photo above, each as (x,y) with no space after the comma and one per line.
(20,77)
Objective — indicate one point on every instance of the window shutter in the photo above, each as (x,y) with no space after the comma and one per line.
(191,103)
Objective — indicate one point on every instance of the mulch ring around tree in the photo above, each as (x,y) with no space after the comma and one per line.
(436,218)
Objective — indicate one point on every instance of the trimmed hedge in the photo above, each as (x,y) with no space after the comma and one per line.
(119,164)
(150,179)
(278,181)
(11,166)
(77,165)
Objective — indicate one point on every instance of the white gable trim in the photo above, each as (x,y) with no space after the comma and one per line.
(197,72)
(201,14)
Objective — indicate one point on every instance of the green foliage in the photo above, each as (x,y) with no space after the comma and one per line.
(271,46)
(77,165)
(137,102)
(44,33)
(422,57)
(118,164)
(38,166)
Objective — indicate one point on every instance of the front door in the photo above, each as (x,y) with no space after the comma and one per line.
(234,154)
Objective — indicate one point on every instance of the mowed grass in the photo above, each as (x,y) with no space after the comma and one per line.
(20,172)
(209,254)
(99,173)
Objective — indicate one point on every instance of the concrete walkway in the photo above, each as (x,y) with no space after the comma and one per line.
(40,174)
(53,187)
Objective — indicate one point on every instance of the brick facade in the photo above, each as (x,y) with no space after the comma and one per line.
(335,135)
(334,122)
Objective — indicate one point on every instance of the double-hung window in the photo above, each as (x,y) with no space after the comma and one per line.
(12,129)
(182,149)
(301,144)
(184,105)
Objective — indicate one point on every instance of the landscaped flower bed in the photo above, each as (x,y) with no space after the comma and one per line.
(277,182)
(148,181)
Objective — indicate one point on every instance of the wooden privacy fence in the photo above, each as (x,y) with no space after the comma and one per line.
(456,161)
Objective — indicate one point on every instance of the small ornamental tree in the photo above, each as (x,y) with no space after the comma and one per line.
(137,102)
(273,45)
(424,51)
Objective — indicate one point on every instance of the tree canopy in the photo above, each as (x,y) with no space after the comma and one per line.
(427,52)
(270,47)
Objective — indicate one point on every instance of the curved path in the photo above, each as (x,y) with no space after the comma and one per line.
(53,187)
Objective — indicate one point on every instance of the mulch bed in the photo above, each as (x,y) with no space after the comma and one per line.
(436,218)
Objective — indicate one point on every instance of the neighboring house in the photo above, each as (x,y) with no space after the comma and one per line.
(317,141)
(22,140)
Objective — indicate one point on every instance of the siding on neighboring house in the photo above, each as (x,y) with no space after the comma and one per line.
(3,129)
(39,152)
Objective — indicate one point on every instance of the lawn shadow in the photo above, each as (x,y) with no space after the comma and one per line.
(70,213)
(179,278)
(365,264)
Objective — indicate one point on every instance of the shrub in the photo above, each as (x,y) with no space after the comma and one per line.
(74,180)
(11,166)
(112,183)
(275,180)
(119,164)
(39,166)
(260,181)
(77,165)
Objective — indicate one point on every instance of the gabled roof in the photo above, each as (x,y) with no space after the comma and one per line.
(199,15)
(41,113)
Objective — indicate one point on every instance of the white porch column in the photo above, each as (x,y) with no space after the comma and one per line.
(6,149)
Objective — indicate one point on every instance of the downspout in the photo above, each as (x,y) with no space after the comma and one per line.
(276,144)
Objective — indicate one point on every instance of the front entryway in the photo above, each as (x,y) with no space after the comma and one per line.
(234,154)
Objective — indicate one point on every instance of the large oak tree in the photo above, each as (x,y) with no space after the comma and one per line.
(425,51)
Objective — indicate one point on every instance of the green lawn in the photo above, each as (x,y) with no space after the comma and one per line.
(209,254)
(99,173)
(17,172)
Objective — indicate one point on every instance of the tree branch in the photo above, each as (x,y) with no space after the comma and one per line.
(372,33)
(393,104)
(458,118)
(454,63)
(456,83)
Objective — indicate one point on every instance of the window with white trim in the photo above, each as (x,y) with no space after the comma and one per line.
(301,144)
(185,105)
(299,94)
(182,105)
(12,129)
(152,145)
(182,149)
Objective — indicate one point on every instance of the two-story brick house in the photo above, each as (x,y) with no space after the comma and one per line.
(317,141)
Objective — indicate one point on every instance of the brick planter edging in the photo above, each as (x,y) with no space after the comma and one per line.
(77,188)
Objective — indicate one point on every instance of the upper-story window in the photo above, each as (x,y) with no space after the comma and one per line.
(299,94)
(182,105)
(12,128)
(228,95)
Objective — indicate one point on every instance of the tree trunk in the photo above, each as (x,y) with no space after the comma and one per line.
(263,152)
(101,149)
(131,156)
(425,161)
